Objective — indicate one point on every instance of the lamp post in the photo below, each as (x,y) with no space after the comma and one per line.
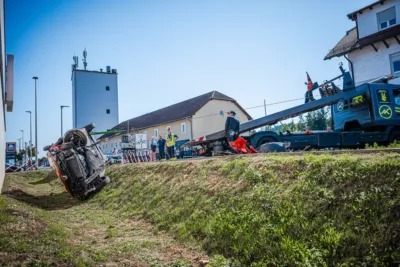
(23,143)
(26,155)
(22,131)
(30,136)
(62,132)
(19,144)
(36,137)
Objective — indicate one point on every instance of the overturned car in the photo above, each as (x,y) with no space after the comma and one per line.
(79,162)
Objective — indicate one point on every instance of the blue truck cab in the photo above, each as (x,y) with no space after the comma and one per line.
(366,114)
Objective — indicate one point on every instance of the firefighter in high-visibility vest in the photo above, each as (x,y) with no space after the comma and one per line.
(170,143)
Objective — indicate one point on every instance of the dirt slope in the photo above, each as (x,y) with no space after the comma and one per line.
(340,210)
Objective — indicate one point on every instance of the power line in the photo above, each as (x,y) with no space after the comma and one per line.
(260,106)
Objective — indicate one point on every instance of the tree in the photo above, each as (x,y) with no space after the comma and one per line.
(301,125)
(21,153)
(316,120)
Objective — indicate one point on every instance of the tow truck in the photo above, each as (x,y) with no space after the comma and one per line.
(364,114)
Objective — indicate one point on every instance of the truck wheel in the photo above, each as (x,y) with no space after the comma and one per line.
(76,136)
(265,140)
(272,147)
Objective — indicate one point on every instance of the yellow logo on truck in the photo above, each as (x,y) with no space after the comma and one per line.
(358,99)
(383,97)
(385,111)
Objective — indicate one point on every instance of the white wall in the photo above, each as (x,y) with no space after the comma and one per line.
(2,89)
(369,64)
(91,100)
(367,21)
(2,142)
(207,120)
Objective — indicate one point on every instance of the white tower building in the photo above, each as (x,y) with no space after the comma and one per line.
(94,96)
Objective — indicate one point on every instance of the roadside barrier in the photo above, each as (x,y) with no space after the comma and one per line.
(17,168)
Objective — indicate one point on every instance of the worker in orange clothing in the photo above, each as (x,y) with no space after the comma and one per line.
(310,85)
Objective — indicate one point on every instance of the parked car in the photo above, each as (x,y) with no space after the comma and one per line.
(12,168)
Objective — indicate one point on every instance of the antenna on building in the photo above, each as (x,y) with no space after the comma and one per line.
(84,58)
(75,65)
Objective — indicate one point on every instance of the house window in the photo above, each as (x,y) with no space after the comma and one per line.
(183,127)
(156,133)
(108,111)
(386,18)
(395,63)
(107,88)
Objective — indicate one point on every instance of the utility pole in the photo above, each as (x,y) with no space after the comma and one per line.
(30,135)
(265,112)
(265,108)
(62,132)
(36,137)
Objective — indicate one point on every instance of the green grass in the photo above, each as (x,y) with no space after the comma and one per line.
(271,210)
(265,210)
(40,225)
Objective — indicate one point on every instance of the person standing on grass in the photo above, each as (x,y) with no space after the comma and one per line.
(170,143)
(161,147)
(153,147)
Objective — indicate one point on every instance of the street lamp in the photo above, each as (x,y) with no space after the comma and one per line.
(62,119)
(36,143)
(22,137)
(30,138)
(19,143)
(23,144)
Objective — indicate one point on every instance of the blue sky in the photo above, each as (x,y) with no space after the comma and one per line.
(167,51)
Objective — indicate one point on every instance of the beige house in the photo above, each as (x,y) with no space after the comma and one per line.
(189,119)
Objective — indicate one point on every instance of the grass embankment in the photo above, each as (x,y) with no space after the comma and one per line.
(326,210)
(40,225)
(271,210)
